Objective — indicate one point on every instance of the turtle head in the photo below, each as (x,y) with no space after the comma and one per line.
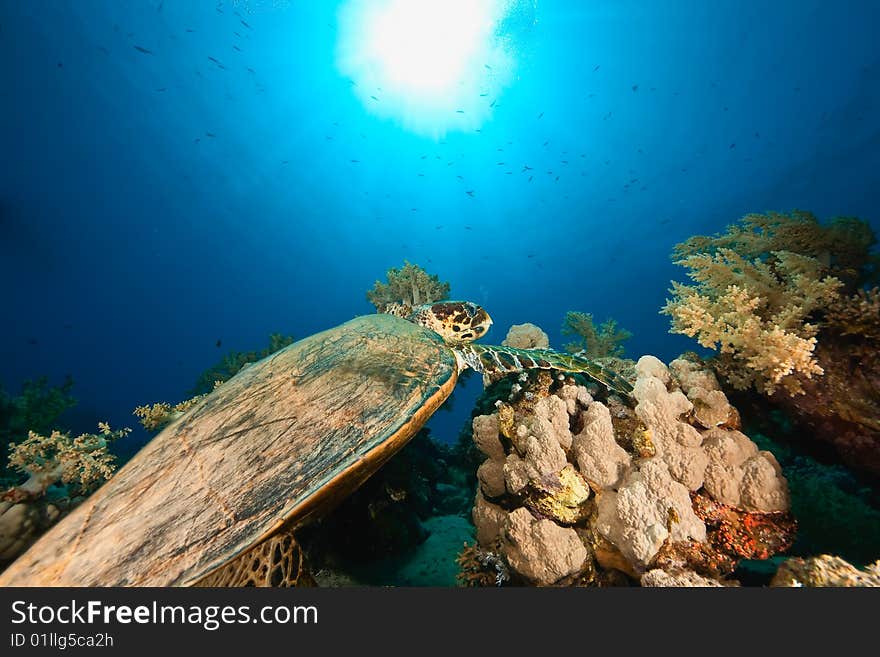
(454,321)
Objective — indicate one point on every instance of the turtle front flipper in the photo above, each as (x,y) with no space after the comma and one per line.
(498,360)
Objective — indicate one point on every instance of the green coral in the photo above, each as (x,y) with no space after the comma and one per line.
(232,363)
(410,285)
(600,342)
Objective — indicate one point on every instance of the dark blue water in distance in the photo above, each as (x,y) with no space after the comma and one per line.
(249,175)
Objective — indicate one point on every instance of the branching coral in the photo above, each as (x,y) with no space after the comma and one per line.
(600,342)
(857,315)
(842,246)
(753,305)
(83,461)
(232,363)
(158,416)
(410,285)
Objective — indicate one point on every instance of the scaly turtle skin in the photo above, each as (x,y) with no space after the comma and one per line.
(214,498)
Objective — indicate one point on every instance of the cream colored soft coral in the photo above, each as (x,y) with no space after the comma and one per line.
(83,460)
(754,312)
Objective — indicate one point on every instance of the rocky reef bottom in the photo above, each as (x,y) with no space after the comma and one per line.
(575,487)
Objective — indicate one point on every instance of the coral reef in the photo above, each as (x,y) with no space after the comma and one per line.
(526,336)
(36,408)
(82,461)
(755,314)
(409,285)
(578,488)
(784,300)
(60,472)
(594,342)
(760,291)
(479,567)
(825,570)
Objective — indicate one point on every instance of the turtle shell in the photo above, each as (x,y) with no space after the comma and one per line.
(279,442)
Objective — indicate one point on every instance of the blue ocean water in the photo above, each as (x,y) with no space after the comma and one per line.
(183,178)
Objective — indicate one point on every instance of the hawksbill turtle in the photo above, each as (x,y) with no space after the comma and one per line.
(214,499)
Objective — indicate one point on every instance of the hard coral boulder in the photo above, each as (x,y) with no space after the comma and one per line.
(739,475)
(541,550)
(648,509)
(561,497)
(677,578)
(600,459)
(491,477)
(675,441)
(526,336)
(486,436)
(825,570)
(488,519)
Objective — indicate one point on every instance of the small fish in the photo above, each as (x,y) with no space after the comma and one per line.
(468,228)
(189,31)
(492,104)
(32,341)
(250,70)
(635,87)
(732,146)
(210,134)
(500,164)
(470,193)
(526,167)
(355,161)
(460,177)
(546,142)
(234,47)
(242,21)
(374,98)
(159,8)
(459,111)
(237,34)
(596,68)
(60,65)
(160,89)
(483,95)
(218,343)
(489,68)
(540,115)
(530,178)
(143,50)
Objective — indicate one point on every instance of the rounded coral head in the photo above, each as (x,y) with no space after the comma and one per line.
(455,321)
